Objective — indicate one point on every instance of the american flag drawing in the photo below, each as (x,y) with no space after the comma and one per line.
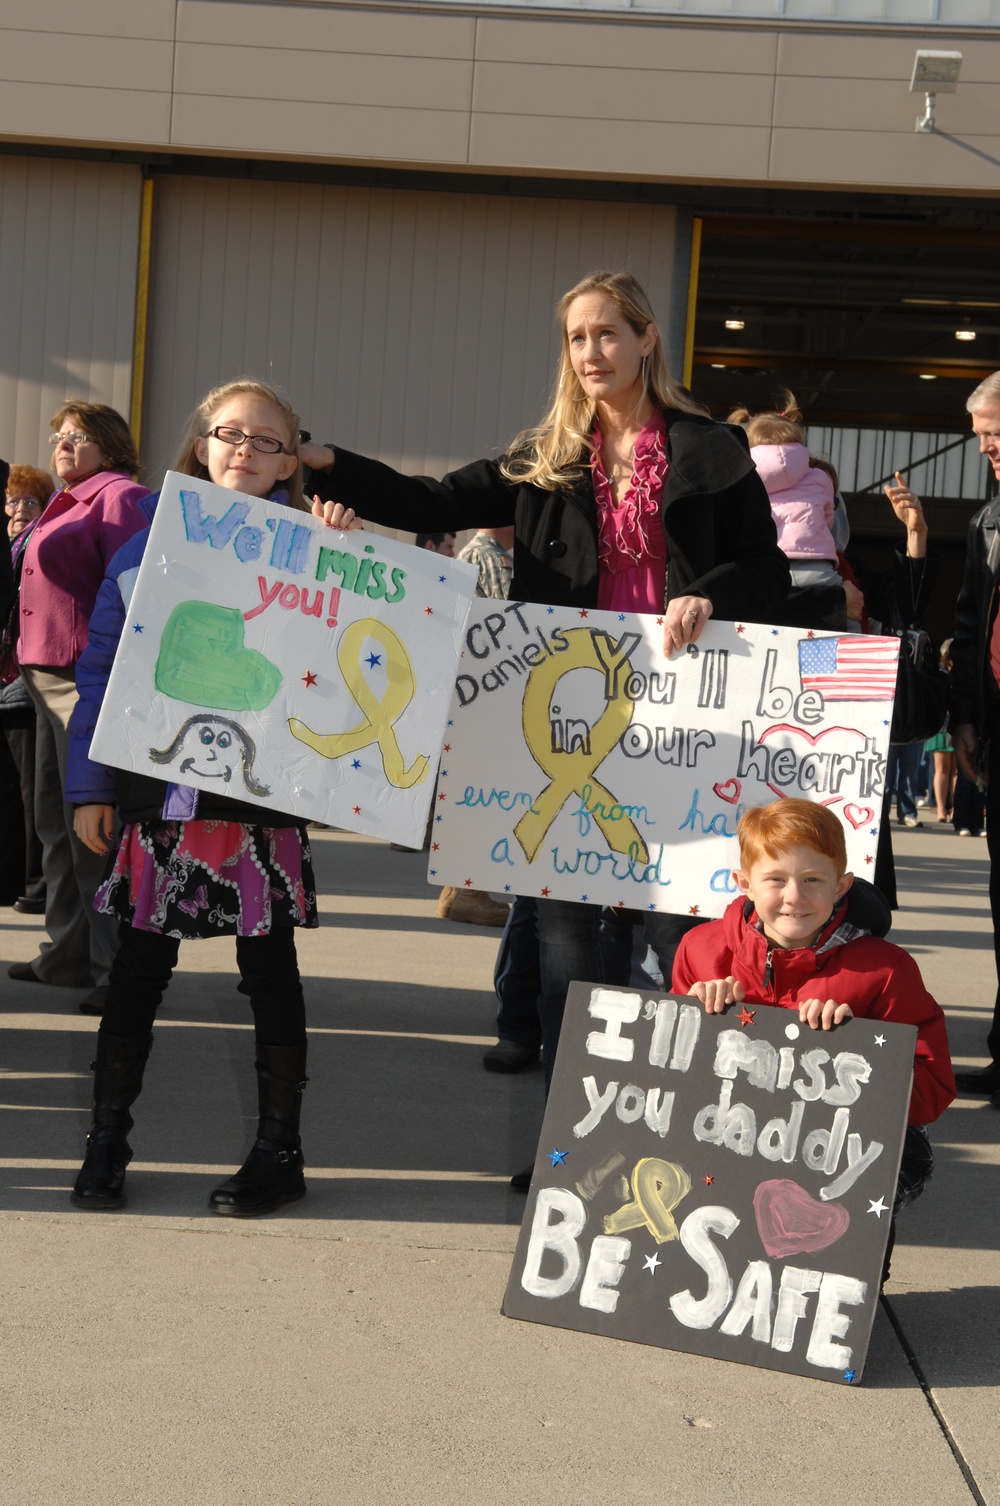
(849,669)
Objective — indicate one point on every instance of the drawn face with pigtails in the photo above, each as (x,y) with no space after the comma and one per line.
(212,747)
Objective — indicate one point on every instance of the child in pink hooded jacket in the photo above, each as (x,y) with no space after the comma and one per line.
(800,489)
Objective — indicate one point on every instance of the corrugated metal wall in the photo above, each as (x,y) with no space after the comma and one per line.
(409,325)
(68,245)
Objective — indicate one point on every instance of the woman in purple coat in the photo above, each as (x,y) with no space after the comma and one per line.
(61,563)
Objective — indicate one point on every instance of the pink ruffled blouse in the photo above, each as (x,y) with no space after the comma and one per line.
(631,545)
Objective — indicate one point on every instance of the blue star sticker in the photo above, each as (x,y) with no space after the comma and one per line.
(373,660)
(550,610)
(557,1157)
(774,632)
(137,627)
(451,724)
(433,873)
(444,773)
(874,831)
(442,578)
(583,896)
(650,907)
(621,616)
(849,1375)
(355,763)
(437,818)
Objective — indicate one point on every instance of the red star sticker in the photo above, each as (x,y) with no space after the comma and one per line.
(357,810)
(429,612)
(693,910)
(740,628)
(442,797)
(435,846)
(869,860)
(659,622)
(746,1016)
(308,678)
(468,883)
(810,635)
(582,612)
(545,893)
(708,1181)
(447,747)
(621,904)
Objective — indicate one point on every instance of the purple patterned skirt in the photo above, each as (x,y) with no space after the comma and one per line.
(191,879)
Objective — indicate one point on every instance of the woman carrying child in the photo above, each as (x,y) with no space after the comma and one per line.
(190,864)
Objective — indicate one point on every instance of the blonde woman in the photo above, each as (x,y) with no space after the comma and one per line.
(626,496)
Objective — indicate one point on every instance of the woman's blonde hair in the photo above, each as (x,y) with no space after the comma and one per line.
(554,452)
(784,427)
(200,422)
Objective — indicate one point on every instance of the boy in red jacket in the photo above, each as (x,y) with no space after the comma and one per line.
(803,935)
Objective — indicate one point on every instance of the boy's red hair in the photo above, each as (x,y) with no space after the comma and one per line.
(773,829)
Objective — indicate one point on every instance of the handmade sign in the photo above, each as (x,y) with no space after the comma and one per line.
(581,763)
(719,1184)
(276,660)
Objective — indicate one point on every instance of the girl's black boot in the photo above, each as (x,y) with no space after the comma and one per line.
(272,1172)
(118,1069)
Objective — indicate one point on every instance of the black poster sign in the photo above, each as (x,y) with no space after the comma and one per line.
(720,1184)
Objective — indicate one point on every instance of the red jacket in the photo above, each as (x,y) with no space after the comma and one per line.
(877,979)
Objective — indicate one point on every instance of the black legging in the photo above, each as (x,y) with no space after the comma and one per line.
(267,964)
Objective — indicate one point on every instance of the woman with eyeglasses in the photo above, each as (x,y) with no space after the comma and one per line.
(21,883)
(61,560)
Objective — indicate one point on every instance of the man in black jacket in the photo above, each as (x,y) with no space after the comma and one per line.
(975,709)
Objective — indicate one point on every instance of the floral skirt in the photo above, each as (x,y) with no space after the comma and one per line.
(191,879)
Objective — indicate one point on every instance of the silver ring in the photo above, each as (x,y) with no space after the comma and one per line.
(691,612)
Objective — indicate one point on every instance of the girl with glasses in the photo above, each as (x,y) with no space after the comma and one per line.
(191,864)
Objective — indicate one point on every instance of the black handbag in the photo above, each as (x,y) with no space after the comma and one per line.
(921,702)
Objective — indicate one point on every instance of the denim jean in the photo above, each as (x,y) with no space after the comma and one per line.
(901,770)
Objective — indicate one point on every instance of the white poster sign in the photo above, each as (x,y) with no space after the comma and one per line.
(580,763)
(281,662)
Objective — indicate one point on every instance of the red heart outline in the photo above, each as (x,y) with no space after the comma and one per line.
(801,732)
(729,791)
(864,814)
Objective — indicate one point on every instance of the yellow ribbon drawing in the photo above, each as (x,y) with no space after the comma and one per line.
(658,1187)
(380,715)
(570,772)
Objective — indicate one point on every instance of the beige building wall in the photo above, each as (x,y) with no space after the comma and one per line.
(413,326)
(68,245)
(732,100)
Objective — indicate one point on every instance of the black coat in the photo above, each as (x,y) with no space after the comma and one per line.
(972,688)
(721,539)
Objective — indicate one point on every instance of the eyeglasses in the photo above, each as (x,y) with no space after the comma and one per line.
(74,437)
(262,442)
(12,503)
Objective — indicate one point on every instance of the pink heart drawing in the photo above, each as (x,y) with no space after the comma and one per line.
(791,1222)
(813,741)
(729,792)
(858,815)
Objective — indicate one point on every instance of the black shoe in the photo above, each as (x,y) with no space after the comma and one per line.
(23,972)
(508,1056)
(985,1082)
(118,1070)
(24,905)
(272,1172)
(521,1180)
(101,1182)
(270,1175)
(95,1001)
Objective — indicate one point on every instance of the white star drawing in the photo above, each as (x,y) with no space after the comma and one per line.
(650,1263)
(880,1040)
(878,1208)
(164,564)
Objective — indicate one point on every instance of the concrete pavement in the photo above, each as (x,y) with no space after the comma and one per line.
(350,1350)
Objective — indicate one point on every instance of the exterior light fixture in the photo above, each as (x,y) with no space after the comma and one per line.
(735,324)
(934,73)
(965,334)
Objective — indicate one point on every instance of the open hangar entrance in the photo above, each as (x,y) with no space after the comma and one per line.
(880,321)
